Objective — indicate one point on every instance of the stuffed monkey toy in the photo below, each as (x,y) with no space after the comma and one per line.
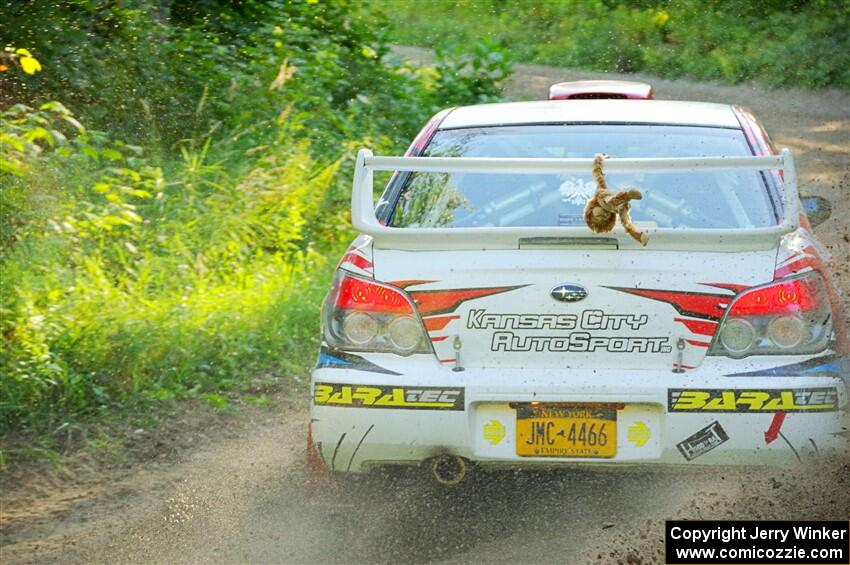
(602,210)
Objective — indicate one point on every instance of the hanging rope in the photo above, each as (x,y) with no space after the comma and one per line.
(601,211)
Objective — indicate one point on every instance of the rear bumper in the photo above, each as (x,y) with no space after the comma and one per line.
(731,420)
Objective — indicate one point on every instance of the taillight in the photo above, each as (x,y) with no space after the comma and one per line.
(786,317)
(365,315)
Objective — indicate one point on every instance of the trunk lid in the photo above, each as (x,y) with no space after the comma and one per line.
(639,304)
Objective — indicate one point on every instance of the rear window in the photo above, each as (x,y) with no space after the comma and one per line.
(712,199)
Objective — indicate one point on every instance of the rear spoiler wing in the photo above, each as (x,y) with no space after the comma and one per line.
(364,220)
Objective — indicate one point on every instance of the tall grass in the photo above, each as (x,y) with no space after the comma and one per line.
(150,282)
(191,260)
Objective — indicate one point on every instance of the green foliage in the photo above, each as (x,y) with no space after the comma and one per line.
(142,284)
(472,72)
(193,260)
(804,43)
(158,72)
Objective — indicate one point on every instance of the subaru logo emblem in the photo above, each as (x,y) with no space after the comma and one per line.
(568,292)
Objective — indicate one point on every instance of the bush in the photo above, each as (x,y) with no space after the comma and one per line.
(146,285)
(192,258)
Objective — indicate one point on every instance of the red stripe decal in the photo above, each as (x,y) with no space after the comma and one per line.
(698,343)
(356,260)
(447,360)
(439,338)
(799,265)
(702,327)
(775,426)
(409,282)
(790,257)
(431,302)
(693,304)
(438,322)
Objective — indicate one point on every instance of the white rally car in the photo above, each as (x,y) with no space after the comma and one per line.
(477,320)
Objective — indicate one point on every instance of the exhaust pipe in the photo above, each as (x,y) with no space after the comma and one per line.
(449,470)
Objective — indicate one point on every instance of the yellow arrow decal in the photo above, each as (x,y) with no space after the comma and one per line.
(494,432)
(639,434)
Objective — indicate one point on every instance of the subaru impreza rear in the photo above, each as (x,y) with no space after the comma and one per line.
(478,321)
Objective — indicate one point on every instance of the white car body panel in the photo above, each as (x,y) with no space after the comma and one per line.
(592,111)
(371,409)
(607,275)
(411,436)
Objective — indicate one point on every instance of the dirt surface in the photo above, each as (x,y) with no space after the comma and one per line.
(229,488)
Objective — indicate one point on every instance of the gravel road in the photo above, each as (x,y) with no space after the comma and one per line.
(240,498)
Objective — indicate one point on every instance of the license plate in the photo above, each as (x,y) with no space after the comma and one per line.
(560,430)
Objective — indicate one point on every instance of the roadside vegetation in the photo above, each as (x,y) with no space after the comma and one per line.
(775,42)
(175,174)
(174,185)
